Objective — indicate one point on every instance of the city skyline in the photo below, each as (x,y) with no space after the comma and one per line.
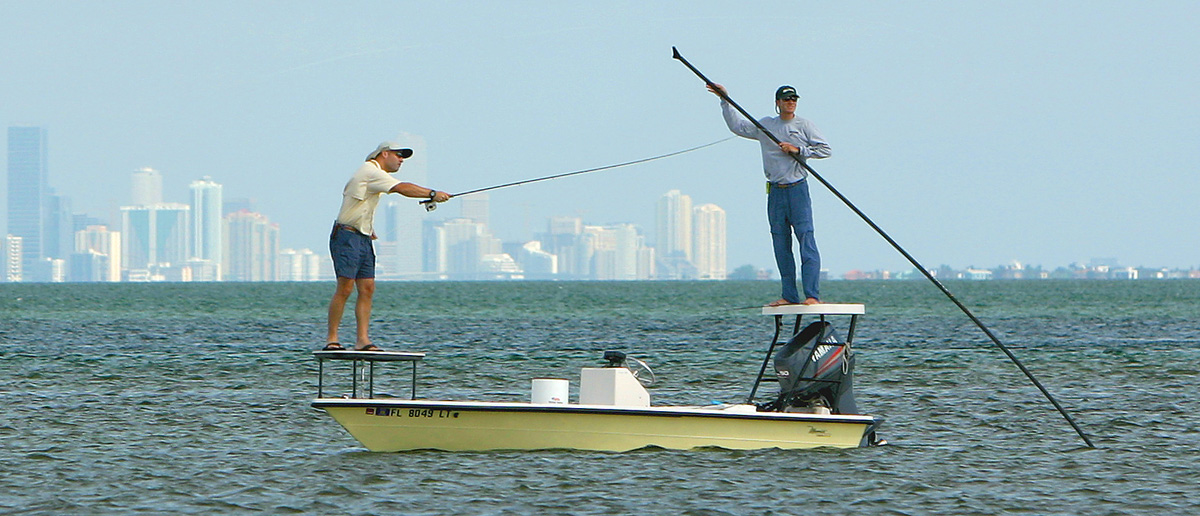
(168,241)
(155,235)
(155,239)
(972,133)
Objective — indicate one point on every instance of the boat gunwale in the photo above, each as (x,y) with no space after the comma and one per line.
(662,411)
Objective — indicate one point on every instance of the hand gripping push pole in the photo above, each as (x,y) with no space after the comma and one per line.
(909,257)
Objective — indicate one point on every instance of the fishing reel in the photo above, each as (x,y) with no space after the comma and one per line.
(429,205)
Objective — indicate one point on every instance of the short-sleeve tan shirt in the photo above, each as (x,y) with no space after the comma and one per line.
(361,196)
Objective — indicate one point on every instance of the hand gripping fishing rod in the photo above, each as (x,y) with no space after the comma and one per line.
(909,257)
(430,205)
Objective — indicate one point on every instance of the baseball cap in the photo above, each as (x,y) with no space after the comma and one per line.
(392,146)
(786,92)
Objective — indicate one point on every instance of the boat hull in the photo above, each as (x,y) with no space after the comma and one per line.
(396,425)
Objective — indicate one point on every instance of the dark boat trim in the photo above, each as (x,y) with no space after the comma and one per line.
(676,411)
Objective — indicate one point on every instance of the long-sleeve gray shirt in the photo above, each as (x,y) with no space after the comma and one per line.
(778,166)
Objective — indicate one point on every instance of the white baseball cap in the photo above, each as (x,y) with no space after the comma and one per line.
(404,152)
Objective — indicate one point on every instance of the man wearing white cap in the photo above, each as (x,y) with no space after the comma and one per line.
(350,242)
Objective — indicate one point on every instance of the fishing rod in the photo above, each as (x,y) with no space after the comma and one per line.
(909,257)
(430,205)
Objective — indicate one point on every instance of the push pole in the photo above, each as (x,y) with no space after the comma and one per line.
(909,257)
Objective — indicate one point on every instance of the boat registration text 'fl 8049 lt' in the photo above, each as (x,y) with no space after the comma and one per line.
(412,412)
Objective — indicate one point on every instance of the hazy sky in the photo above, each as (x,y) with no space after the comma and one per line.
(975,133)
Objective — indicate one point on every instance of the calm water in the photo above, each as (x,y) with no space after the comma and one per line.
(193,399)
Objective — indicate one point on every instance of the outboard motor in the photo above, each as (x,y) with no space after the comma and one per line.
(816,372)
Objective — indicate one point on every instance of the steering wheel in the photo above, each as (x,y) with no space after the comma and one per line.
(640,370)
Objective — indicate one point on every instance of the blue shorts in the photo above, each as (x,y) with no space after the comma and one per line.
(352,252)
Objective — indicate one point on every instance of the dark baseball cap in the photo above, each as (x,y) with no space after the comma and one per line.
(786,92)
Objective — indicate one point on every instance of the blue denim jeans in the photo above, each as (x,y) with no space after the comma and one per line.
(790,209)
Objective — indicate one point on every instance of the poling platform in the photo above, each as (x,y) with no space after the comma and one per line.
(817,309)
(360,360)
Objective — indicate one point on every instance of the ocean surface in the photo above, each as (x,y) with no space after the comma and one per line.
(194,399)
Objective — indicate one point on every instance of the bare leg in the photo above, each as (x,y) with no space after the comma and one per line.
(362,310)
(336,305)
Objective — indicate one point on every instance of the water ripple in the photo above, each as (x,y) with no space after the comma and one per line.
(193,399)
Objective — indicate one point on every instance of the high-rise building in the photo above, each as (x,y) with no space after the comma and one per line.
(399,248)
(565,225)
(207,223)
(627,243)
(57,269)
(615,252)
(299,265)
(399,220)
(708,229)
(27,188)
(89,266)
(251,247)
(461,246)
(58,235)
(673,234)
(202,270)
(562,239)
(237,204)
(583,254)
(647,264)
(537,264)
(99,250)
(147,187)
(81,221)
(154,237)
(13,267)
(599,246)
(475,207)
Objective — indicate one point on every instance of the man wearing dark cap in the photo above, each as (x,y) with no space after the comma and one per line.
(789,208)
(353,230)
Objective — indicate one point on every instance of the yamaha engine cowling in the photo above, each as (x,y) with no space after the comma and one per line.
(815,371)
